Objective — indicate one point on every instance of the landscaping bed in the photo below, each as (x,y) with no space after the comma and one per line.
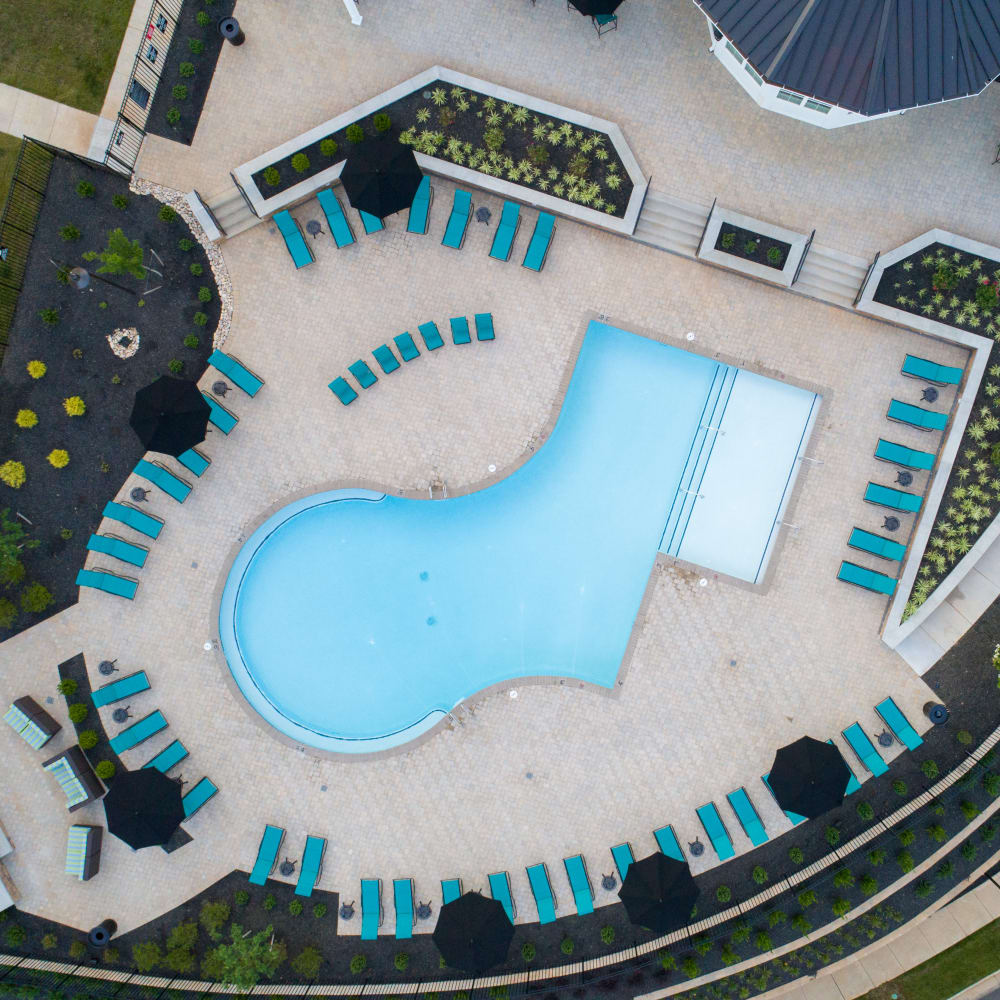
(61,506)
(187,74)
(959,289)
(747,245)
(75,688)
(481,133)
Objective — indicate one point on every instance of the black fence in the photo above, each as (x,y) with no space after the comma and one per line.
(147,67)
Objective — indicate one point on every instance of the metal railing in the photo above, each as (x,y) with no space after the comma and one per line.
(140,92)
(802,259)
(868,274)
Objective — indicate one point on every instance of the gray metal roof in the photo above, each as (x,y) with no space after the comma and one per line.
(869,56)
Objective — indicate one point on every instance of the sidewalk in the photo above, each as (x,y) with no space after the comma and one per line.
(22,113)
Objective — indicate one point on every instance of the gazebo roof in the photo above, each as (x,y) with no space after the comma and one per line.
(868,56)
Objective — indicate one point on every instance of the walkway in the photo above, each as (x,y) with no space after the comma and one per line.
(23,113)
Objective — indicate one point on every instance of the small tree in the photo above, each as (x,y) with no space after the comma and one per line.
(120,256)
(213,916)
(8,613)
(35,598)
(146,955)
(13,540)
(248,957)
(307,962)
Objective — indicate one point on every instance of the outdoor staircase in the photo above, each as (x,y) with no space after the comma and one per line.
(831,276)
(671,223)
(231,212)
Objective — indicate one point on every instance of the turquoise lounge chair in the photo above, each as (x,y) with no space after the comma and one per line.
(503,240)
(623,857)
(385,358)
(579,883)
(343,391)
(125,687)
(930,371)
(110,583)
(432,336)
(909,458)
(294,240)
(109,545)
(745,812)
(484,326)
(311,867)
(541,238)
(267,854)
(866,578)
(138,732)
(451,889)
(853,785)
(371,908)
(716,830)
(372,223)
(365,376)
(220,417)
(197,797)
(420,208)
(891,714)
(886,496)
(458,221)
(877,545)
(541,889)
(340,228)
(460,330)
(407,349)
(603,23)
(795,817)
(170,756)
(500,891)
(236,372)
(402,897)
(194,461)
(864,750)
(666,841)
(916,416)
(172,485)
(134,518)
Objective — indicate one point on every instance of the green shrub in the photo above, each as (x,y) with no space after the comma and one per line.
(899,786)
(8,613)
(85,189)
(728,241)
(986,295)
(987,832)
(945,870)
(528,951)
(801,923)
(192,340)
(307,962)
(750,247)
(196,269)
(493,139)
(300,163)
(607,934)
(354,133)
(806,898)
(185,70)
(991,783)
(964,737)
(204,294)
(876,857)
(401,961)
(843,879)
(242,897)
(905,861)
(358,964)
(119,201)
(12,473)
(906,837)
(497,993)
(295,907)
(776,917)
(727,955)
(969,809)
(105,770)
(49,316)
(180,92)
(269,902)
(945,278)
(328,148)
(213,916)
(868,885)
(382,122)
(185,244)
(840,907)
(702,944)
(759,875)
(667,960)
(795,855)
(199,319)
(969,850)
(196,45)
(74,406)
(173,116)
(69,233)
(937,833)
(77,712)
(77,949)
(49,941)
(930,769)
(146,955)
(741,932)
(175,366)
(319,910)
(166,214)
(723,894)
(538,154)
(774,255)
(865,811)
(690,968)
(203,19)
(923,888)
(15,935)
(832,836)
(566,945)
(87,739)
(271,177)
(67,687)
(763,941)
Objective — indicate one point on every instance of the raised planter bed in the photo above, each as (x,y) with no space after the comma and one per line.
(752,247)
(454,147)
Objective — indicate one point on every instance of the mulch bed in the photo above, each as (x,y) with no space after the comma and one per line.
(190,107)
(744,237)
(467,128)
(64,505)
(76,669)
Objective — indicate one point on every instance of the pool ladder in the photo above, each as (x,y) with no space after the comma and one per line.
(440,488)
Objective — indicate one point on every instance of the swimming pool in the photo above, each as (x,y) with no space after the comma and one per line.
(354,621)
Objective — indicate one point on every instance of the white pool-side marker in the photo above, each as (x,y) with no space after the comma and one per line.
(513,694)
(492,468)
(703,582)
(690,335)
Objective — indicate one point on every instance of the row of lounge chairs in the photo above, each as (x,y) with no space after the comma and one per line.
(168,482)
(408,351)
(267,858)
(888,496)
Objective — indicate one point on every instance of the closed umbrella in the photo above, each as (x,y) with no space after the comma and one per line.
(382,177)
(809,777)
(659,893)
(592,8)
(473,933)
(143,807)
(170,415)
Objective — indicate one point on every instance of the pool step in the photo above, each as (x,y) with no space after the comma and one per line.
(697,461)
(671,223)
(831,276)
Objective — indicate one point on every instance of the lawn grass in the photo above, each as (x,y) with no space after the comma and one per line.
(948,973)
(66,50)
(9,147)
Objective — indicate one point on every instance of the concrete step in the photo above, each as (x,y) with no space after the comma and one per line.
(232,212)
(671,223)
(831,275)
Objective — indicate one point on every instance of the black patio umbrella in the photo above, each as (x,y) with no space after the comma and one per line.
(659,893)
(473,933)
(143,807)
(170,415)
(590,8)
(809,777)
(382,178)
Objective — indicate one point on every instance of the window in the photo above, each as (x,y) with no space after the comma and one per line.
(785,95)
(757,77)
(139,94)
(152,53)
(816,106)
(733,50)
(161,23)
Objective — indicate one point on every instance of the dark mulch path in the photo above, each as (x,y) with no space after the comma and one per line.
(764,244)
(76,669)
(467,128)
(190,107)
(64,505)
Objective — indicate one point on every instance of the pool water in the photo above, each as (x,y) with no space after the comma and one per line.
(354,621)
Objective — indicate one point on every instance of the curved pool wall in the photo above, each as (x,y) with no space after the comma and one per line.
(354,621)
